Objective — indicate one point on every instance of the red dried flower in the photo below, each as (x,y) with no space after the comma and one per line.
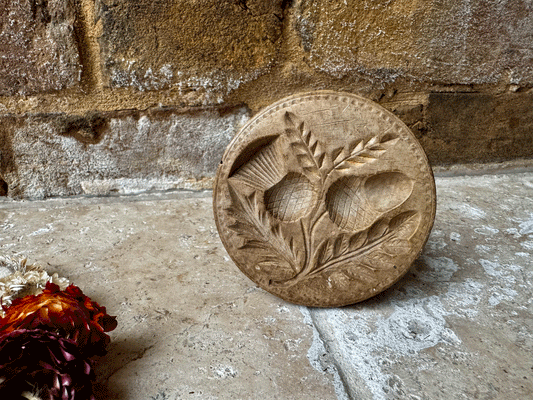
(42,362)
(68,312)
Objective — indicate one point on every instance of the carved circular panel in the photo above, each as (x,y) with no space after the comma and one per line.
(324,199)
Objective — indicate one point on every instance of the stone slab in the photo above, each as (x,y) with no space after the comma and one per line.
(119,152)
(191,325)
(432,41)
(38,48)
(459,325)
(209,46)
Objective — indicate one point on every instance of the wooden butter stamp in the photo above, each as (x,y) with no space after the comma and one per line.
(324,199)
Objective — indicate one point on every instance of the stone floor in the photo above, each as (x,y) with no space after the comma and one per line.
(459,325)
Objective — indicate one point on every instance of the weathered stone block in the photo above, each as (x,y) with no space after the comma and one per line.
(121,152)
(468,127)
(435,41)
(210,45)
(38,50)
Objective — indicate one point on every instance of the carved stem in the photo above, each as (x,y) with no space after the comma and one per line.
(309,274)
(307,245)
(309,232)
(268,239)
(316,222)
(351,254)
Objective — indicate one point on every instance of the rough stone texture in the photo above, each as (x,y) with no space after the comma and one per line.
(191,326)
(468,127)
(38,50)
(128,151)
(106,153)
(435,41)
(460,324)
(211,46)
(144,54)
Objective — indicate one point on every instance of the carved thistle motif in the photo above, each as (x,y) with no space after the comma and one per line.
(324,199)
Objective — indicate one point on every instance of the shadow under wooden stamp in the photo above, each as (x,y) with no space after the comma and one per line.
(324,199)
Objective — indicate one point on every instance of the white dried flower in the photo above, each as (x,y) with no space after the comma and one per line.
(18,279)
(31,396)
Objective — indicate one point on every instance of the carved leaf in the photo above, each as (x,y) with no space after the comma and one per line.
(372,141)
(405,224)
(300,148)
(274,267)
(359,153)
(345,248)
(240,227)
(308,149)
(305,161)
(269,259)
(338,245)
(356,147)
(378,260)
(358,239)
(397,246)
(324,252)
(290,119)
(337,155)
(343,166)
(389,138)
(235,199)
(240,209)
(378,230)
(254,244)
(365,156)
(253,225)
(321,158)
(287,247)
(313,145)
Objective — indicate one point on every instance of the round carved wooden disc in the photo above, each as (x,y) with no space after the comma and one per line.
(324,199)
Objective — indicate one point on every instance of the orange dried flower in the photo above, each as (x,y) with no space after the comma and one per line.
(68,312)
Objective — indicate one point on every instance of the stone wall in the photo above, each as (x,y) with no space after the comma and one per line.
(116,96)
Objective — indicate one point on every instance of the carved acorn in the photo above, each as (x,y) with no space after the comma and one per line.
(355,202)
